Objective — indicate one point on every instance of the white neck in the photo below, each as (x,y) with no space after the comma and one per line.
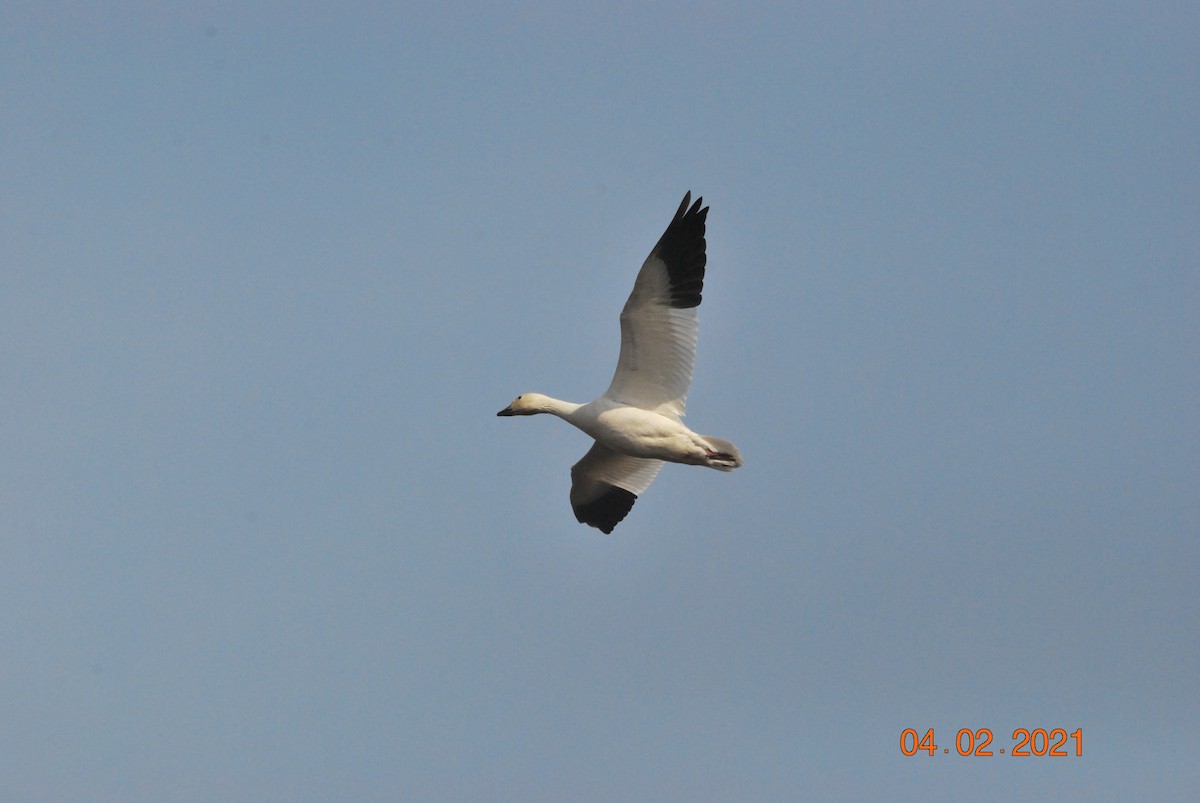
(562,409)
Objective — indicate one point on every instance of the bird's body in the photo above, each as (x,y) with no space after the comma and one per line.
(632,431)
(637,423)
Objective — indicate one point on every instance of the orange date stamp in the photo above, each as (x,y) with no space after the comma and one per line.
(979,742)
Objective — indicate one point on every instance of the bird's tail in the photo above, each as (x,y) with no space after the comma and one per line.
(725,456)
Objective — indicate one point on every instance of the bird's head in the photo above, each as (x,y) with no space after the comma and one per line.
(526,404)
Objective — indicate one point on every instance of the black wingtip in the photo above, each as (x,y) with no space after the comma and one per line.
(606,512)
(683,206)
(681,248)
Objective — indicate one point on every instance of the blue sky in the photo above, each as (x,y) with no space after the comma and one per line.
(267,273)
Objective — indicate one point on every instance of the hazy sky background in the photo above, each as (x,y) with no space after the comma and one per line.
(267,272)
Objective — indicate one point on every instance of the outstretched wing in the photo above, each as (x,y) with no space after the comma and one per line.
(605,484)
(659,325)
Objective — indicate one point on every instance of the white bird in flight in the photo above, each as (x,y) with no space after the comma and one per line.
(637,423)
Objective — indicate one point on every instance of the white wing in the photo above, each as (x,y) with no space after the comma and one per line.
(605,484)
(659,325)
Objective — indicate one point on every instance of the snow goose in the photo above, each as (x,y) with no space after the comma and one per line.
(637,423)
